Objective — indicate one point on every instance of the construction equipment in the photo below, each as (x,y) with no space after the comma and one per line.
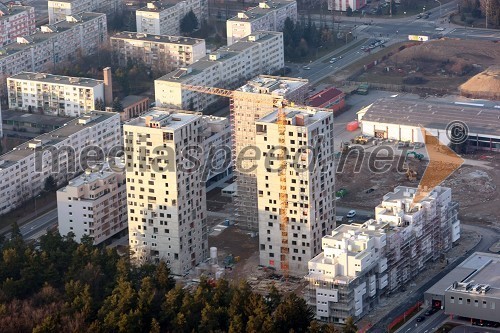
(411,174)
(361,140)
(278,102)
(418,156)
(341,193)
(345,147)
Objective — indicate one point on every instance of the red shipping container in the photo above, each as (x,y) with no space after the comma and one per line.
(352,126)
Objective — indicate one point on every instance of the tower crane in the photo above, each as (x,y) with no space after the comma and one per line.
(279,102)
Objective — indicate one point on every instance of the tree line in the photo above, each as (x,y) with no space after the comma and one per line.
(302,39)
(59,285)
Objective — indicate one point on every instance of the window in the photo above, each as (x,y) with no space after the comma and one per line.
(452,299)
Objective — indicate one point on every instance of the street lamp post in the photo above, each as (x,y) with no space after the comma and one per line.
(439,7)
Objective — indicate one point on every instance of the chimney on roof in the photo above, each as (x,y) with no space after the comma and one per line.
(108,86)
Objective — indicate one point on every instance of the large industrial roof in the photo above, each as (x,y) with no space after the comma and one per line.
(434,115)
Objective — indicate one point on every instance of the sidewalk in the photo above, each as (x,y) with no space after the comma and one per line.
(31,216)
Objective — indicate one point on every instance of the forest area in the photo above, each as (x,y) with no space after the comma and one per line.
(60,285)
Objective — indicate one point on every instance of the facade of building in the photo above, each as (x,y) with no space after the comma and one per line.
(403,119)
(53,94)
(93,204)
(471,290)
(133,106)
(166,192)
(159,18)
(329,98)
(59,9)
(267,16)
(361,262)
(54,44)
(342,5)
(228,67)
(24,169)
(16,21)
(250,104)
(161,52)
(310,200)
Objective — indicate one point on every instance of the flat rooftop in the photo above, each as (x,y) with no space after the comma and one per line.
(156,6)
(480,267)
(218,56)
(273,85)
(56,136)
(158,38)
(169,119)
(264,8)
(310,115)
(40,36)
(88,178)
(435,115)
(132,99)
(8,11)
(57,79)
(11,116)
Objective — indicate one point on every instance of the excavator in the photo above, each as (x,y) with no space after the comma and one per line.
(418,156)
(411,174)
(362,140)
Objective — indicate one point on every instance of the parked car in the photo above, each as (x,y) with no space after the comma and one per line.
(419,16)
(351,213)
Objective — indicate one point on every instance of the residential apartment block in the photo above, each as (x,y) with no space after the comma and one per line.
(15,21)
(162,18)
(342,5)
(53,94)
(164,53)
(54,44)
(361,262)
(59,9)
(228,67)
(249,105)
(267,16)
(309,201)
(165,190)
(24,169)
(93,204)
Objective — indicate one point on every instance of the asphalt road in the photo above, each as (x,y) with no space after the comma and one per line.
(428,325)
(38,226)
(488,237)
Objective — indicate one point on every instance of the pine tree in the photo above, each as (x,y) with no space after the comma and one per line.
(349,326)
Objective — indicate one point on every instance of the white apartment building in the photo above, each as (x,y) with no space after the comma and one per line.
(93,204)
(59,9)
(53,94)
(227,67)
(267,16)
(342,5)
(310,198)
(24,169)
(164,53)
(54,44)
(362,262)
(15,21)
(159,18)
(165,190)
(251,102)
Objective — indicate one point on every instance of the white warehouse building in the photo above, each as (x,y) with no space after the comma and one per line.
(404,120)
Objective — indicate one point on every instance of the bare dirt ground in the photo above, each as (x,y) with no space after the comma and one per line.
(474,187)
(441,63)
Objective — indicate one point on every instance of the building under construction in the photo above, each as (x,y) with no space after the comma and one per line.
(295,194)
(362,262)
(248,104)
